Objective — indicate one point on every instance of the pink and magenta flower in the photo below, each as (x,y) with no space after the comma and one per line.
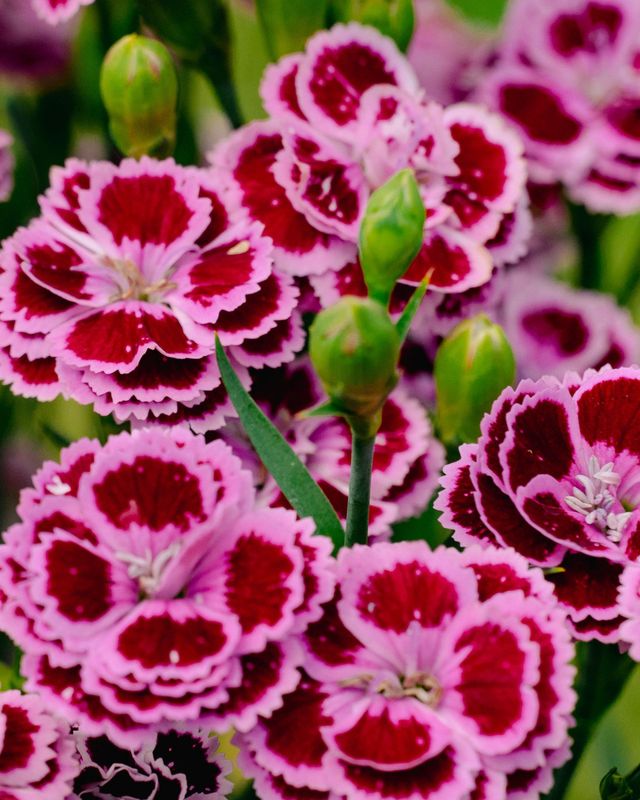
(567,76)
(407,460)
(554,329)
(146,589)
(6,165)
(37,752)
(345,116)
(555,475)
(57,11)
(431,674)
(115,294)
(173,765)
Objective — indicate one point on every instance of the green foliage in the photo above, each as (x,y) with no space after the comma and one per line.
(287,24)
(199,32)
(289,472)
(393,18)
(482,11)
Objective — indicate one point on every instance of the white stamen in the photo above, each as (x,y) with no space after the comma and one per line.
(149,569)
(57,486)
(594,500)
(174,657)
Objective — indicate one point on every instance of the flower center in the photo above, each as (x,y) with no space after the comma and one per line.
(420,685)
(148,569)
(133,285)
(596,497)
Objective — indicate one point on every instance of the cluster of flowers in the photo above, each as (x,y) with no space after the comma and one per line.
(431,674)
(209,611)
(392,672)
(346,115)
(566,74)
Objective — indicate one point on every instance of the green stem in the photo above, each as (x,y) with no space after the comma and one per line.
(587,229)
(359,489)
(602,674)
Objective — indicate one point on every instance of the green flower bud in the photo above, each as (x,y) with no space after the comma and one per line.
(394,18)
(139,88)
(473,365)
(391,233)
(354,349)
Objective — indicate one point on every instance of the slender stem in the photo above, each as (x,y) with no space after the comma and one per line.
(359,489)
(602,674)
(588,229)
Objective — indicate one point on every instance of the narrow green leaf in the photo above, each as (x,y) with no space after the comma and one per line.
(411,309)
(289,472)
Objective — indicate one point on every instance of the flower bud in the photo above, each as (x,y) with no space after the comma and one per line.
(354,349)
(473,365)
(391,233)
(139,88)
(393,18)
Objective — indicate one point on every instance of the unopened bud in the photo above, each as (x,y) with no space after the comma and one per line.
(139,88)
(391,233)
(394,18)
(354,349)
(473,365)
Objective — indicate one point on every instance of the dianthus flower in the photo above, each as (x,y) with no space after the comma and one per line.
(431,674)
(407,458)
(6,165)
(37,753)
(554,329)
(345,116)
(114,295)
(555,475)
(57,11)
(567,75)
(145,588)
(174,765)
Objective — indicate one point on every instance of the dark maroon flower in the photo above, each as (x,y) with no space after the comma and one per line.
(174,765)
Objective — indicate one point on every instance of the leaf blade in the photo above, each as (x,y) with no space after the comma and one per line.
(289,472)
